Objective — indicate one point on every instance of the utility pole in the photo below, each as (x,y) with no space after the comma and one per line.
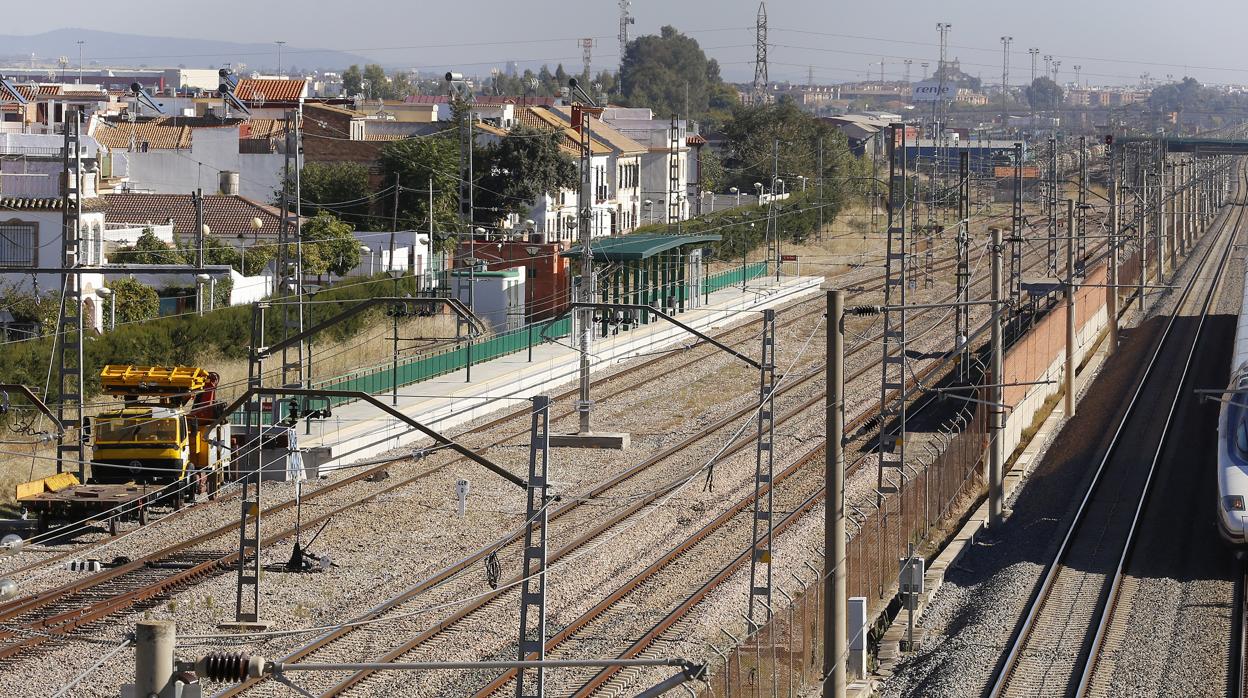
(1115,226)
(996,408)
(71,442)
(1052,206)
(533,564)
(394,353)
(773,235)
(1141,220)
(962,311)
(821,173)
(1159,209)
(1069,373)
(197,200)
(1016,231)
(893,364)
(1081,252)
(764,460)
(1005,79)
(835,587)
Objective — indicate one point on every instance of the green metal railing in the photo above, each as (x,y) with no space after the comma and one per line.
(377,379)
(733,277)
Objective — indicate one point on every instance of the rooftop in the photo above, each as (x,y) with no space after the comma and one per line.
(226,216)
(270,90)
(624,248)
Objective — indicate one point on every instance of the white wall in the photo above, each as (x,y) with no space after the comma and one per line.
(167,171)
(497,300)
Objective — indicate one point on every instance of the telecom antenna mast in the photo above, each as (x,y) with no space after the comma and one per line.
(760,55)
(587,57)
(625,20)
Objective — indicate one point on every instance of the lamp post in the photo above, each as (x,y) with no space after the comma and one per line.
(279,57)
(256,224)
(649,203)
(803,179)
(368,251)
(80,43)
(201,279)
(758,187)
(734,190)
(105,292)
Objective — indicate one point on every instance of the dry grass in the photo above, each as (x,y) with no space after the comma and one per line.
(372,347)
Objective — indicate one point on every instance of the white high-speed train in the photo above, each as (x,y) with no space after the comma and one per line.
(1233,442)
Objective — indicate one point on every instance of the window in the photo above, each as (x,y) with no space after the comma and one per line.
(19,244)
(1241,438)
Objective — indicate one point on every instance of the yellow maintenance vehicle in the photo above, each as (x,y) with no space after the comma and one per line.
(165,442)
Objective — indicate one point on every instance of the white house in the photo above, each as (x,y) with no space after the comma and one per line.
(177,155)
(667,144)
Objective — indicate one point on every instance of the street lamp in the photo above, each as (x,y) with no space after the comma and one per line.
(803,179)
(105,292)
(783,187)
(368,251)
(202,279)
(734,190)
(758,187)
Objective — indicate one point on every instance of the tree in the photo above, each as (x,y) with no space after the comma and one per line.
(378,82)
(417,161)
(751,137)
(216,252)
(329,245)
(1043,93)
(523,166)
(352,81)
(340,188)
(712,169)
(148,249)
(136,301)
(256,258)
(668,71)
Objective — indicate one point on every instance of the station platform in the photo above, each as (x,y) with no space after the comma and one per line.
(358,431)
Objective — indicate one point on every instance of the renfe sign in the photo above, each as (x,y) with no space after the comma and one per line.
(931,91)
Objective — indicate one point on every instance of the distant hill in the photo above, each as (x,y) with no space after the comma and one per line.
(133,50)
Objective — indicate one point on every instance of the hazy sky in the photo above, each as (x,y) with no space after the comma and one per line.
(1114,40)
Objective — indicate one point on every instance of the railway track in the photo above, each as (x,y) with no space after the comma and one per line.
(338,643)
(31,621)
(1055,649)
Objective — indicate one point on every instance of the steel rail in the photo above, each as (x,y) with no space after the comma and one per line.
(1007,668)
(446,573)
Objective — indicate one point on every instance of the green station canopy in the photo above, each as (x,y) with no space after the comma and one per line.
(625,248)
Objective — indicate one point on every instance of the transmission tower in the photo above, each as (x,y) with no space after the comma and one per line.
(587,56)
(625,20)
(760,55)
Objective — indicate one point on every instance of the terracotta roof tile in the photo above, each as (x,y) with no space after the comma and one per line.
(256,89)
(156,134)
(544,120)
(226,216)
(262,128)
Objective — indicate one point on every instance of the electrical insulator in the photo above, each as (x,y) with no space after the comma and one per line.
(230,667)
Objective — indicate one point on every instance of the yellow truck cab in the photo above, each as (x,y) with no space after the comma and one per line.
(143,444)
